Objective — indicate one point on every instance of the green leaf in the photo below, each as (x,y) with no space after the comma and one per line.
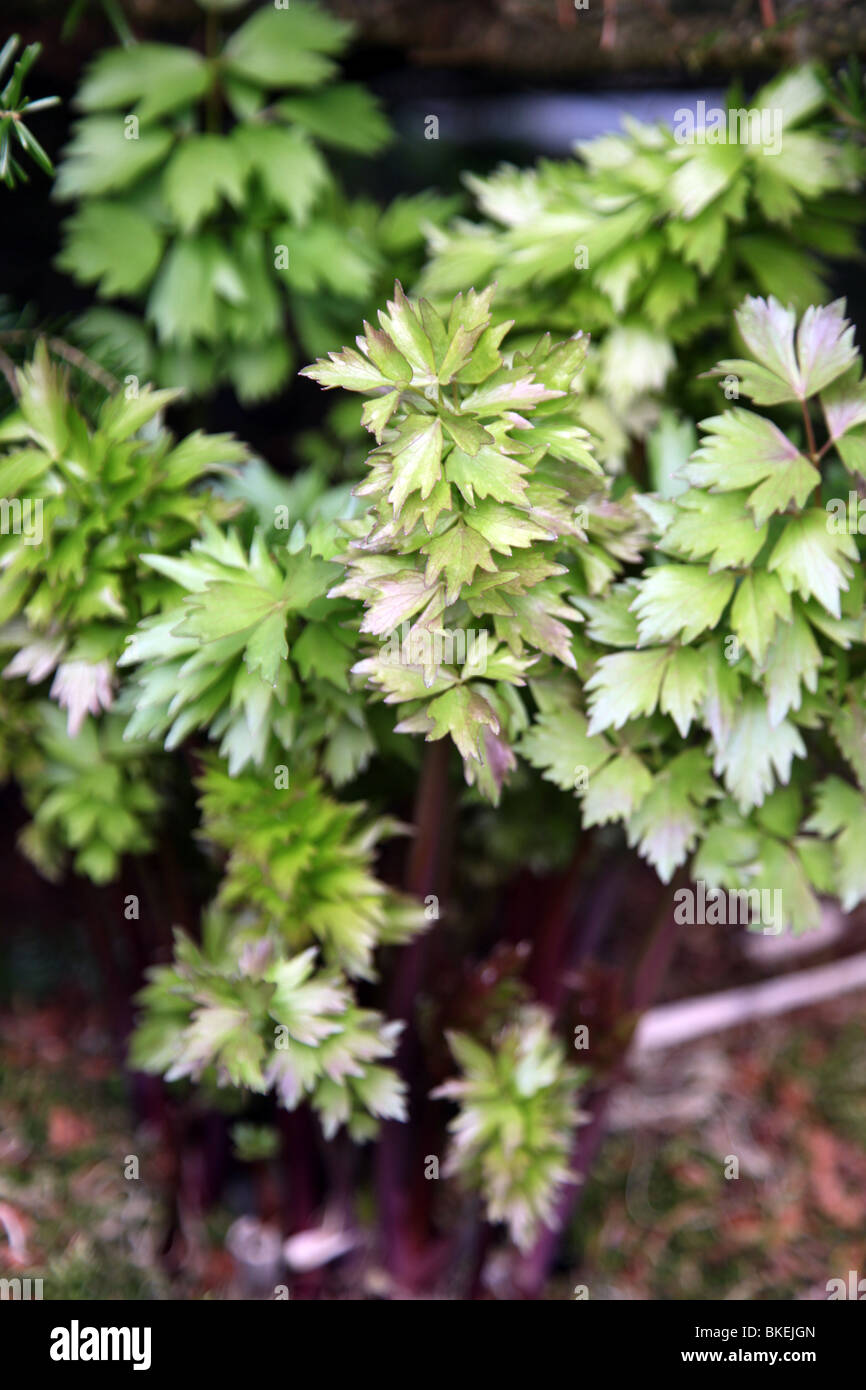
(795,93)
(668,448)
(839,813)
(844,406)
(258,370)
(325,652)
(44,403)
(464,714)
(111,244)
(307,578)
(680,599)
(714,526)
(227,609)
(100,160)
(118,340)
(376,413)
(812,561)
(204,169)
(756,749)
(611,620)
(848,726)
(286,47)
(120,418)
(760,603)
(616,791)
(705,172)
(486,474)
(346,115)
(825,349)
(200,453)
(782,812)
(684,686)
(668,820)
(468,435)
(504,528)
(152,77)
(288,165)
(559,744)
(457,552)
(417,465)
(184,303)
(743,449)
(383,354)
(624,686)
(794,659)
(401,325)
(323,255)
(21,468)
(266,648)
(792,868)
(775,265)
(347,369)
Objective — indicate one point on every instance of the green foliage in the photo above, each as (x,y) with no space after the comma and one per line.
(14,106)
(203,191)
(687,662)
(250,1007)
(299,864)
(740,658)
(91,794)
(649,244)
(487,513)
(249,647)
(84,499)
(512,1137)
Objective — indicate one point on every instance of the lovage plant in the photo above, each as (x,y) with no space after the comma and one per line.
(485,514)
(649,241)
(250,1007)
(721,713)
(82,498)
(235,691)
(487,511)
(248,646)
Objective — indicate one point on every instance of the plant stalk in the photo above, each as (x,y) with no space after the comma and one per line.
(402,1222)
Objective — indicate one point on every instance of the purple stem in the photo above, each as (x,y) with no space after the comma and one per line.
(546,973)
(402,1220)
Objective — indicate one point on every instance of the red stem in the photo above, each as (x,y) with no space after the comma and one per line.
(402,1219)
(546,973)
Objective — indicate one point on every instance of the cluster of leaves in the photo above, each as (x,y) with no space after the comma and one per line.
(203,192)
(84,500)
(251,1007)
(248,646)
(299,862)
(733,699)
(14,107)
(649,244)
(487,512)
(517,1113)
(92,795)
